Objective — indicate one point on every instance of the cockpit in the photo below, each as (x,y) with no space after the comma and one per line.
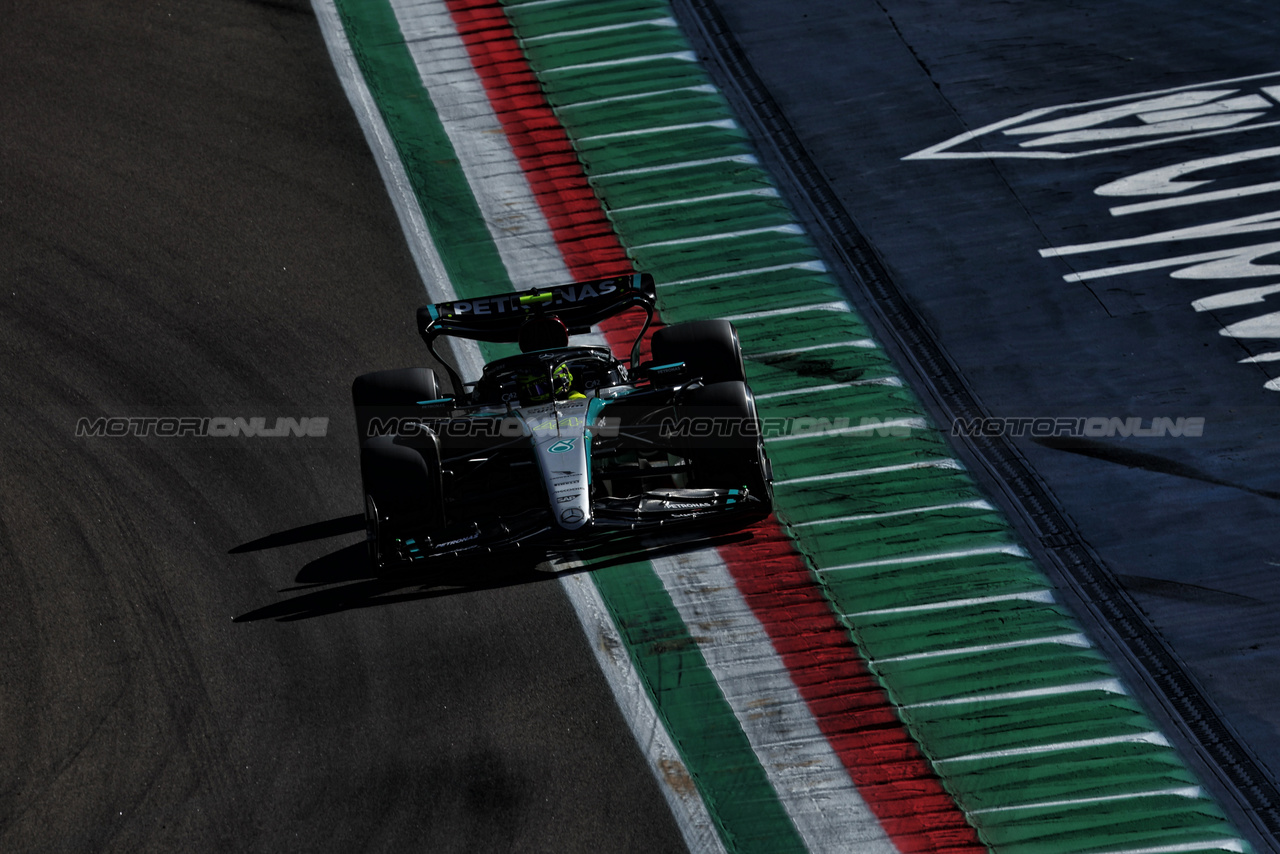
(564,373)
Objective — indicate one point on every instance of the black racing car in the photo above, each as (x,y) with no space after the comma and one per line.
(558,443)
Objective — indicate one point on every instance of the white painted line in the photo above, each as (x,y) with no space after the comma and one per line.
(535,3)
(767,192)
(1076,640)
(1266,326)
(748,159)
(1190,792)
(511,212)
(814,266)
(1043,596)
(1236,298)
(810,780)
(891,427)
(1242,225)
(723,124)
(1220,264)
(863,343)
(1106,686)
(1217,264)
(790,228)
(943,150)
(633,700)
(591,31)
(946,463)
(1174,180)
(896,382)
(1184,847)
(705,88)
(1273,356)
(1165,129)
(840,305)
(679,56)
(1059,747)
(1232,109)
(911,511)
(1196,198)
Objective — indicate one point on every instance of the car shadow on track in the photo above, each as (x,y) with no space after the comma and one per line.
(343,580)
(304,534)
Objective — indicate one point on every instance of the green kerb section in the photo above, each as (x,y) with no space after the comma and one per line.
(1024,719)
(452,215)
(715,752)
(738,796)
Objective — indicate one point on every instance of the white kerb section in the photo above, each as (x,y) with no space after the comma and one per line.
(512,214)
(810,780)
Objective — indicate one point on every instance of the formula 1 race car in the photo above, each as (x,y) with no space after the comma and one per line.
(558,443)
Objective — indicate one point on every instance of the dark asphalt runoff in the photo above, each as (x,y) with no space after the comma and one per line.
(192,226)
(1171,543)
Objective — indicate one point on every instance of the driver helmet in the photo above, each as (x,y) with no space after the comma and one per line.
(541,388)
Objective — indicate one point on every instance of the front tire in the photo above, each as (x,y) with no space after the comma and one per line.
(383,396)
(402,494)
(708,348)
(729,451)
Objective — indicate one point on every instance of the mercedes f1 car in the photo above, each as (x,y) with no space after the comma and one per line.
(558,443)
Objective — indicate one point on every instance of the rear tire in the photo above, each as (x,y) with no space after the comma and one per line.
(708,348)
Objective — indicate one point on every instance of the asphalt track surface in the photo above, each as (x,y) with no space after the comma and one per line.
(191,225)
(1175,537)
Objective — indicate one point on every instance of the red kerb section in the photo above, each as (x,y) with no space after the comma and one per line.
(844,697)
(586,237)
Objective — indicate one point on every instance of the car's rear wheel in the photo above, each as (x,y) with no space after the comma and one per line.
(708,348)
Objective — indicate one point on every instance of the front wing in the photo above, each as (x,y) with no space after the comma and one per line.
(660,509)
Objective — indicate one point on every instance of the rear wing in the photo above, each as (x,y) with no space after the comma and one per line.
(498,318)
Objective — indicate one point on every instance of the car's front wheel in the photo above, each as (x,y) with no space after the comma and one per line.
(708,348)
(403,498)
(719,433)
(381,399)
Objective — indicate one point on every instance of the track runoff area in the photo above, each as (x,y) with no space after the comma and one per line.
(881,668)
